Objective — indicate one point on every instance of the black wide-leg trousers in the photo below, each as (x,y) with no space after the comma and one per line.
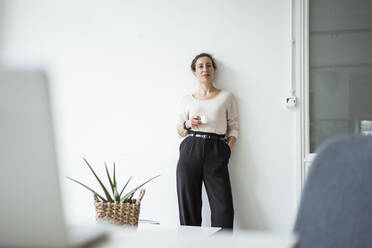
(205,160)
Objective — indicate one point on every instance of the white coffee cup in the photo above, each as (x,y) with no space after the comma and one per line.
(203,119)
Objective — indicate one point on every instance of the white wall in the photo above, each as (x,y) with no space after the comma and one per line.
(118,70)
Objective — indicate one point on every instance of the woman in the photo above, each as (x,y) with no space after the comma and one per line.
(209,120)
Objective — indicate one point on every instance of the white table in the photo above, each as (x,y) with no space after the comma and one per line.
(157,236)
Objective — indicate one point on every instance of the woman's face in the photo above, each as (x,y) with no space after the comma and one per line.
(204,70)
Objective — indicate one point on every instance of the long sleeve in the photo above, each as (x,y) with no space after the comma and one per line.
(183,112)
(232,118)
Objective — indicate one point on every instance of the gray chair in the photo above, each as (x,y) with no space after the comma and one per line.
(336,205)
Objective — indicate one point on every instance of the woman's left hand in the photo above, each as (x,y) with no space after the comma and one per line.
(231,142)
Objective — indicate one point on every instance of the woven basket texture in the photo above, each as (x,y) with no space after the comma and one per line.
(126,213)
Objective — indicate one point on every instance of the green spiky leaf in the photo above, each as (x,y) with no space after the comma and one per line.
(124,186)
(116,193)
(94,192)
(131,193)
(115,183)
(110,181)
(103,186)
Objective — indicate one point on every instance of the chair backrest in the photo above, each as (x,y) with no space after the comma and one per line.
(336,204)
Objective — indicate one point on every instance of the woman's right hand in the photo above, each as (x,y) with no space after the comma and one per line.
(193,122)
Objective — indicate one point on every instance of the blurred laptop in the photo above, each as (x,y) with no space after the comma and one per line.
(31,209)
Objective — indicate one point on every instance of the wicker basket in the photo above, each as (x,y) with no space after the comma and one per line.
(119,213)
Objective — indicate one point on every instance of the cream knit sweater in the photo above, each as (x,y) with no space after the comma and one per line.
(220,111)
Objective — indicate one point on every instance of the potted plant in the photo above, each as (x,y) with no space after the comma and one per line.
(117,208)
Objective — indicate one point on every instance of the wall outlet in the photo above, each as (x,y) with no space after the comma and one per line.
(291,101)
